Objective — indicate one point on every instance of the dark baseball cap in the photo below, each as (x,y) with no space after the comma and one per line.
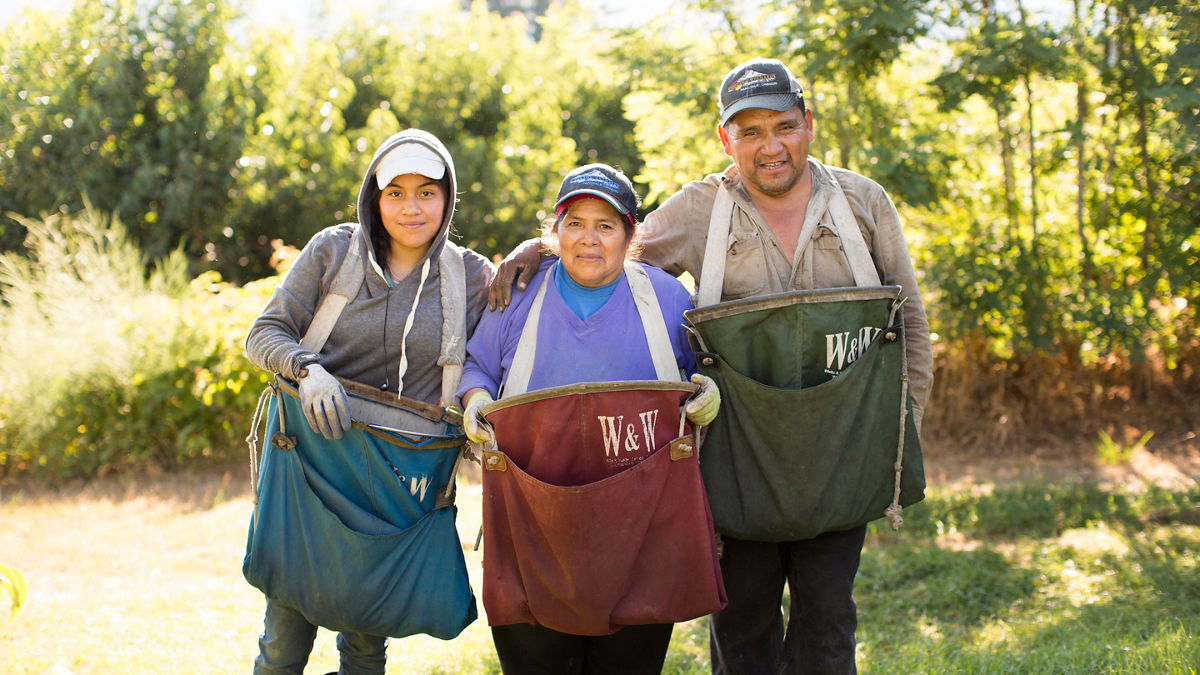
(759,83)
(599,180)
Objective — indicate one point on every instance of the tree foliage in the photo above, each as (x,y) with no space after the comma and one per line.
(1043,155)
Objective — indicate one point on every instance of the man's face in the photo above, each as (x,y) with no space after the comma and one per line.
(769,148)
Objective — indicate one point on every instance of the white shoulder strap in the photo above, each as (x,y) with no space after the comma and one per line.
(853,243)
(712,269)
(453,286)
(521,368)
(649,311)
(653,324)
(345,286)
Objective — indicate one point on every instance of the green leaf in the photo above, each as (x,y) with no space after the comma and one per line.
(13,582)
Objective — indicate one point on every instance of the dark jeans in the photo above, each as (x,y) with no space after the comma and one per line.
(748,636)
(526,649)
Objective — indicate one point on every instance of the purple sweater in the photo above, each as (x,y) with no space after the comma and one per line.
(608,346)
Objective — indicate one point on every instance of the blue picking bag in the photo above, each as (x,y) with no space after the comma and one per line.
(358,534)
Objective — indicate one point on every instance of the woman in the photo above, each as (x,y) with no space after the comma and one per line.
(365,306)
(584,325)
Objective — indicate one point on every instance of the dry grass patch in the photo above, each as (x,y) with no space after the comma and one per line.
(144,576)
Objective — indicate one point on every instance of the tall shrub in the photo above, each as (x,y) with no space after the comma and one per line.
(105,366)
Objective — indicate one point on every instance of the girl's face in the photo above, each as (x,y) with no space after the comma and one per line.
(592,242)
(411,207)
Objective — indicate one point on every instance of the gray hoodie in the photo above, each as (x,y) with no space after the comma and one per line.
(366,344)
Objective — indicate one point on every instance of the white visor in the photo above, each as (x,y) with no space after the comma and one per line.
(409,158)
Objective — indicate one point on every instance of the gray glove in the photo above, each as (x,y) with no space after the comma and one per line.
(324,402)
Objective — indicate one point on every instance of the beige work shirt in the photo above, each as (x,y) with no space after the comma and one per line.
(674,236)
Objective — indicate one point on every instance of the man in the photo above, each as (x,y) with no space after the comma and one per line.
(776,188)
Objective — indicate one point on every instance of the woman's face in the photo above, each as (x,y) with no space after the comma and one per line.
(592,242)
(411,207)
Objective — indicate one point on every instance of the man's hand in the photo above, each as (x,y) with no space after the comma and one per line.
(703,407)
(324,402)
(519,267)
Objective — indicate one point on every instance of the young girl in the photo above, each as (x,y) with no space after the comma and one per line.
(396,334)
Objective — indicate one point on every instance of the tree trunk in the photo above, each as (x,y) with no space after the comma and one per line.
(1085,247)
(1033,171)
(1142,115)
(1027,82)
(1011,208)
(844,146)
(1081,115)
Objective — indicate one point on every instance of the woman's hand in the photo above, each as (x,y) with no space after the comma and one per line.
(473,424)
(324,402)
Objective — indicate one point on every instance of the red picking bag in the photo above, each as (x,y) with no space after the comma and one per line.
(594,510)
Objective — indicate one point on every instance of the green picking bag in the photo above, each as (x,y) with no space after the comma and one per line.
(815,432)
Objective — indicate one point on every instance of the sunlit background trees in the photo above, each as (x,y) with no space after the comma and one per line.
(1043,155)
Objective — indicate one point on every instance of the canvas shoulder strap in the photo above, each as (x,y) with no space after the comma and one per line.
(653,325)
(662,354)
(453,287)
(521,368)
(712,274)
(345,286)
(861,265)
(712,278)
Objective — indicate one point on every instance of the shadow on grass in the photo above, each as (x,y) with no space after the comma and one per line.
(961,587)
(1058,578)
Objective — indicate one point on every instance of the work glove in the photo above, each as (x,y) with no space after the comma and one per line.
(703,407)
(473,424)
(324,402)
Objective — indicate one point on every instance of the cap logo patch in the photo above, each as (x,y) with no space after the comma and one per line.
(751,79)
(596,177)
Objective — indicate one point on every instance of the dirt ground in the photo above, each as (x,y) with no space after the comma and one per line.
(1175,467)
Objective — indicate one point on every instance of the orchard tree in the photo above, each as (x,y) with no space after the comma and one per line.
(111,104)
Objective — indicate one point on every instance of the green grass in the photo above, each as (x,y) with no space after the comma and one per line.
(143,576)
(1037,578)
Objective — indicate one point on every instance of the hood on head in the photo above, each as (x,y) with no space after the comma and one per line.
(369,192)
